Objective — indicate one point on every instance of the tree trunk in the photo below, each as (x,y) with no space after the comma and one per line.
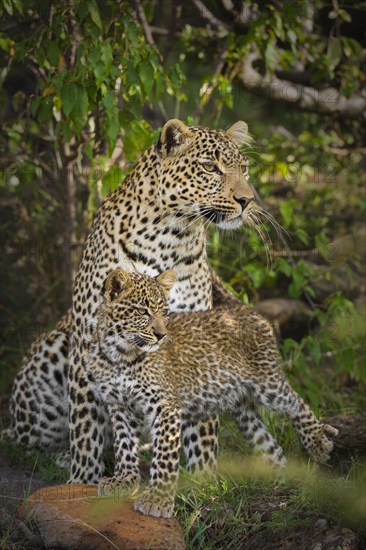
(69,207)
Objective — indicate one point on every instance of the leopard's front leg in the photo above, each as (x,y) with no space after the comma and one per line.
(158,499)
(126,425)
(87,422)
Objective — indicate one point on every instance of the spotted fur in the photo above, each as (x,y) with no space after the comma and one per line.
(223,360)
(155,220)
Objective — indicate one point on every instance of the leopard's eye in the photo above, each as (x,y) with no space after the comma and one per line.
(142,311)
(211,167)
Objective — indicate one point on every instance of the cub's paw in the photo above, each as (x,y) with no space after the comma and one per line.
(318,442)
(151,503)
(118,486)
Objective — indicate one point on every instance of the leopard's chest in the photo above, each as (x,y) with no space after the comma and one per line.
(147,249)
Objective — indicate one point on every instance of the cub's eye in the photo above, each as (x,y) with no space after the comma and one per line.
(142,311)
(165,312)
(211,167)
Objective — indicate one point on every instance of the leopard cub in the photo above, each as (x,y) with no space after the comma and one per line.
(172,374)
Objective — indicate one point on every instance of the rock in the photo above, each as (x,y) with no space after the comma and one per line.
(348,278)
(351,439)
(74,517)
(291,316)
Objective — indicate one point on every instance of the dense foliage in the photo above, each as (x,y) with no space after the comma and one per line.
(86,86)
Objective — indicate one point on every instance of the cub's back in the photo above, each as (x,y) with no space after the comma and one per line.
(224,335)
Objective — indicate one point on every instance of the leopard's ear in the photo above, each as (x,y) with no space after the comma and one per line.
(166,280)
(238,132)
(174,135)
(117,283)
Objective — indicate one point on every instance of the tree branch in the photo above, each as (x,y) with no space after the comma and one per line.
(176,12)
(145,25)
(325,101)
(210,17)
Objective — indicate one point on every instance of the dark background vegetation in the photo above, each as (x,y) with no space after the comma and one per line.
(85,87)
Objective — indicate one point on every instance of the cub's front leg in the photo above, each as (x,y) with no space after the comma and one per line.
(158,499)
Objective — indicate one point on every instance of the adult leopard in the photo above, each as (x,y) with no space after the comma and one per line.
(155,220)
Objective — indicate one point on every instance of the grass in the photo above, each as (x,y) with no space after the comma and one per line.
(246,499)
(227,513)
(33,461)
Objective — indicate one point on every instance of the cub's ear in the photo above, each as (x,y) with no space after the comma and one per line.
(117,283)
(166,280)
(238,132)
(174,135)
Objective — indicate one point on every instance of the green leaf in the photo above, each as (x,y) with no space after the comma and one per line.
(66,130)
(35,105)
(146,74)
(113,128)
(44,112)
(302,235)
(19,6)
(111,180)
(107,55)
(284,267)
(80,109)
(8,6)
(53,53)
(131,31)
(69,96)
(88,150)
(343,14)
(286,210)
(94,13)
(271,56)
(322,245)
(108,100)
(130,74)
(294,290)
(334,52)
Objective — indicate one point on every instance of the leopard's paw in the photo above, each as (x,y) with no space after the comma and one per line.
(118,486)
(319,444)
(62,459)
(151,503)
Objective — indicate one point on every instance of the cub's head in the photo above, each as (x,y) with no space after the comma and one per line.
(134,310)
(204,174)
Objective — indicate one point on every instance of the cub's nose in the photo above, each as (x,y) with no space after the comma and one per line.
(243,201)
(159,335)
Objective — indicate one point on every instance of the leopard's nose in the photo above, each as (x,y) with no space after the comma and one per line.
(243,201)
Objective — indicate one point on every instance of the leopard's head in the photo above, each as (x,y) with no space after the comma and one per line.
(203,173)
(134,311)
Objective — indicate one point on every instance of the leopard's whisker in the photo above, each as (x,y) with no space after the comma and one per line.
(280,230)
(255,224)
(195,217)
